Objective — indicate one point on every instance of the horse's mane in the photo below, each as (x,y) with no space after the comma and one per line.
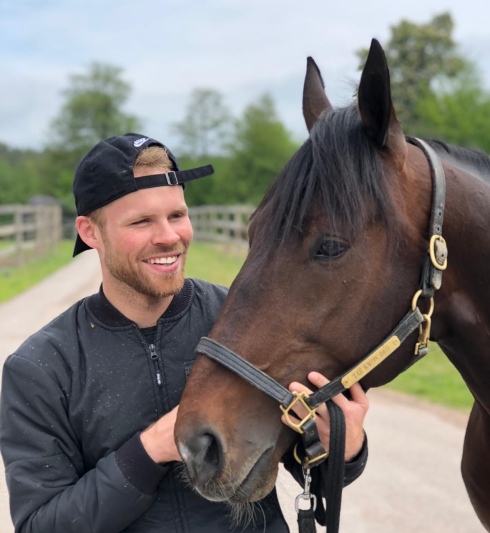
(338,171)
(474,161)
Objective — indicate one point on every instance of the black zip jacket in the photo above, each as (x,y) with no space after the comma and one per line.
(75,397)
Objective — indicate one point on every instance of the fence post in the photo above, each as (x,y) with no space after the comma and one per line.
(36,227)
(219,223)
(19,234)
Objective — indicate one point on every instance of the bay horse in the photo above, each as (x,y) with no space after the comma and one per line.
(336,253)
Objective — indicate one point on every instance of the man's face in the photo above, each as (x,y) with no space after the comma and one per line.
(144,240)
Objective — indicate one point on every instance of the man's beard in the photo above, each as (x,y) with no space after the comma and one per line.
(158,286)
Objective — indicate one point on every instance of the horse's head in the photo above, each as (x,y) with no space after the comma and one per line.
(336,248)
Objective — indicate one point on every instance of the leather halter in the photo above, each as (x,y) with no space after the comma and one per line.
(434,264)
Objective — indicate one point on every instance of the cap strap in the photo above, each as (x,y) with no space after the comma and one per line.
(173,177)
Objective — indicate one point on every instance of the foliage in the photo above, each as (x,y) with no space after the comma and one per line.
(459,114)
(421,57)
(92,110)
(19,174)
(205,126)
(260,148)
(257,149)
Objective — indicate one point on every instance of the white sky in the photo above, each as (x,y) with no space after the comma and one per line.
(168,47)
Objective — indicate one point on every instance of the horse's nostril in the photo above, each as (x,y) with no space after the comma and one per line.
(212,455)
(203,457)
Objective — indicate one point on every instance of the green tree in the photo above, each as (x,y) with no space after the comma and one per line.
(421,58)
(19,174)
(458,114)
(205,126)
(92,110)
(261,146)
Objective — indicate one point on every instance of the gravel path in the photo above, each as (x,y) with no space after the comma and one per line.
(411,483)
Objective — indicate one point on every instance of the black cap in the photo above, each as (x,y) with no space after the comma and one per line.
(106,174)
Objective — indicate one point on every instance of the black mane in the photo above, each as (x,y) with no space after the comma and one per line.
(337,170)
(473,161)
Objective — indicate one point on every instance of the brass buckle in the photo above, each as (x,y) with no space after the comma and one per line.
(424,334)
(415,300)
(299,397)
(424,327)
(432,252)
(306,462)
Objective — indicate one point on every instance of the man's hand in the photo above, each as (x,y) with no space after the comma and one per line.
(158,440)
(354,411)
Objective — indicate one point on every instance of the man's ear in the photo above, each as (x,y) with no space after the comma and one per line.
(88,231)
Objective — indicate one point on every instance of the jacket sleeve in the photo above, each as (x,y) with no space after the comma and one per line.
(48,486)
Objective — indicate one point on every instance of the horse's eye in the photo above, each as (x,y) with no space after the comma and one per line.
(331,249)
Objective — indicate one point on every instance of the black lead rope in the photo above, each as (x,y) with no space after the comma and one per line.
(332,478)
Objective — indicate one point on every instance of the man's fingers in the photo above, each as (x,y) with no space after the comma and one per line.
(358,395)
(298,387)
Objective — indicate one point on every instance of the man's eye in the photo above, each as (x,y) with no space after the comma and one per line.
(142,221)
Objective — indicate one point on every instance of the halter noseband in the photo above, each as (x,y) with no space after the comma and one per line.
(434,264)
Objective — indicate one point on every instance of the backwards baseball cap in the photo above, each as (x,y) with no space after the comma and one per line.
(106,174)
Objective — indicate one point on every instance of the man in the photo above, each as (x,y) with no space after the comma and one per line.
(89,402)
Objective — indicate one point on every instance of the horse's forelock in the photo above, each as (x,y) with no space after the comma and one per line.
(337,172)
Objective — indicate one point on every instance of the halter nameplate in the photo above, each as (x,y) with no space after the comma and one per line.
(371,362)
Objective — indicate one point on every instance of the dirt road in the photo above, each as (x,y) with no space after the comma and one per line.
(411,483)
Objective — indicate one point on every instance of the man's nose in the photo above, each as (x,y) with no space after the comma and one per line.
(165,234)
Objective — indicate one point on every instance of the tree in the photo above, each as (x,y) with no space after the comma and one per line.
(458,114)
(19,174)
(205,126)
(262,146)
(421,58)
(92,110)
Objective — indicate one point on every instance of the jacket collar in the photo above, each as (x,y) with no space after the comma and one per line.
(100,306)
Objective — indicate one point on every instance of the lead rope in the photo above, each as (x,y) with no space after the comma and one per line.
(332,477)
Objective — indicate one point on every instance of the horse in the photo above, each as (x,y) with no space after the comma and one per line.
(337,248)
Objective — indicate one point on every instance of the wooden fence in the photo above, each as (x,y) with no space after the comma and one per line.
(221,223)
(28,227)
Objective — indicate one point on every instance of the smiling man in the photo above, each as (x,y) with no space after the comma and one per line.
(89,402)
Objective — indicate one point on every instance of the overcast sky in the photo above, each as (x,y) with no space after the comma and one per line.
(166,48)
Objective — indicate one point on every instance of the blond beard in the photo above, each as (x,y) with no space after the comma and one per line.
(166,285)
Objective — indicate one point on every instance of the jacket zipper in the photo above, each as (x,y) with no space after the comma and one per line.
(155,359)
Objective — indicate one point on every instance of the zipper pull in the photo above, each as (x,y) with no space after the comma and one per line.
(154,358)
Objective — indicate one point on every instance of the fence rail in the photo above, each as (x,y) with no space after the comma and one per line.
(23,227)
(221,223)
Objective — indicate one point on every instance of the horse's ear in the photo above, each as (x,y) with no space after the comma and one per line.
(374,100)
(315,100)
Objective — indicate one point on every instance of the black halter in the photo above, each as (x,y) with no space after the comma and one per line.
(434,264)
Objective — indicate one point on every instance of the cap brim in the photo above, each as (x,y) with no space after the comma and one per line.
(80,246)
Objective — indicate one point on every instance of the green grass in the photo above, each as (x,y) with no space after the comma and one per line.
(5,243)
(14,280)
(433,378)
(214,262)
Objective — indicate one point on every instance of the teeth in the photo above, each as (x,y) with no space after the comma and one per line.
(162,260)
